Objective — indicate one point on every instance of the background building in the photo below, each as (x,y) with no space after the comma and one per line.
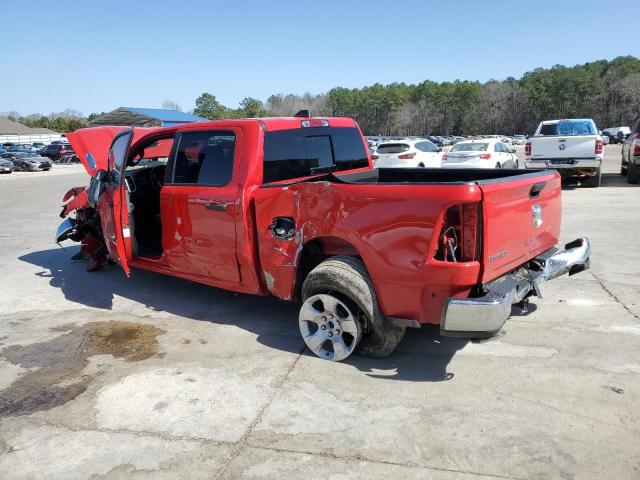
(15,132)
(144,117)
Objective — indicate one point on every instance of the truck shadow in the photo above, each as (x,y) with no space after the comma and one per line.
(272,320)
(608,180)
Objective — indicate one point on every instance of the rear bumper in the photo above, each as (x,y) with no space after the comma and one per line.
(484,316)
(562,164)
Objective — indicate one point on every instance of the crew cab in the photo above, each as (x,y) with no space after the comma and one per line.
(573,147)
(292,207)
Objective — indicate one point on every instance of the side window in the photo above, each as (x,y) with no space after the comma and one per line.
(497,147)
(204,158)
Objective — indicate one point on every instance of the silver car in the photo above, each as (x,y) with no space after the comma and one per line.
(27,161)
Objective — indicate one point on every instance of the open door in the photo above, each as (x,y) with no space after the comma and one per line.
(113,205)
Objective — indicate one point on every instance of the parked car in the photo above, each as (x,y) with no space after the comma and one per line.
(56,151)
(407,153)
(631,155)
(2,149)
(6,166)
(23,148)
(616,134)
(292,207)
(484,153)
(27,161)
(572,146)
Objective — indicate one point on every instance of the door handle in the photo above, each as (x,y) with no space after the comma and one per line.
(536,189)
(217,206)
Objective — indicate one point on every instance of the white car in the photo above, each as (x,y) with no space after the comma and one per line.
(482,153)
(410,153)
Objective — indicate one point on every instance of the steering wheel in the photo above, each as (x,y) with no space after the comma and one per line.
(157,177)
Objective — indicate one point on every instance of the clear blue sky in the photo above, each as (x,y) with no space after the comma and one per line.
(94,56)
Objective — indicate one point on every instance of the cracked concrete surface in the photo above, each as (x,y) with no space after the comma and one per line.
(228,392)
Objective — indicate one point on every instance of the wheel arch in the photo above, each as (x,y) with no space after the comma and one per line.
(318,249)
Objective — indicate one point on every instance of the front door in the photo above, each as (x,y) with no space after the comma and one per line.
(199,205)
(113,205)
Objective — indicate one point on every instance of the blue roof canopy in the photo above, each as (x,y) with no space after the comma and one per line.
(166,115)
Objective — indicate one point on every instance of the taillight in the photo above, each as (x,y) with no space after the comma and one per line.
(458,241)
(527,149)
(636,147)
(599,146)
(444,157)
(407,156)
(375,157)
(485,156)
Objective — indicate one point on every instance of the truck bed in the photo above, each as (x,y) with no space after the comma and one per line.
(432,176)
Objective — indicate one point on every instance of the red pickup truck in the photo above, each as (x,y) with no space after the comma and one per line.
(292,207)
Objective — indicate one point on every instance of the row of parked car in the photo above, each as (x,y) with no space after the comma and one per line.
(415,152)
(447,140)
(35,156)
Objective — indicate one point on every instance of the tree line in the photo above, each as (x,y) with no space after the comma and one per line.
(607,91)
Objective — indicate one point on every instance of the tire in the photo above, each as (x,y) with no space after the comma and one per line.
(348,279)
(24,167)
(633,174)
(516,165)
(623,170)
(498,165)
(596,180)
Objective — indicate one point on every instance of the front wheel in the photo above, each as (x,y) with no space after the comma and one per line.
(633,173)
(340,312)
(24,167)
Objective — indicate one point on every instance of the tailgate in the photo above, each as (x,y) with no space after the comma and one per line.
(512,209)
(563,147)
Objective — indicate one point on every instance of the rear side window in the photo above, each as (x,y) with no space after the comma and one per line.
(301,152)
(204,158)
(393,148)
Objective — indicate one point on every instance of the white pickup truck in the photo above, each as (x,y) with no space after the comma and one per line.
(573,147)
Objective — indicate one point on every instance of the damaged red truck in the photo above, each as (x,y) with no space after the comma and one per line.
(292,207)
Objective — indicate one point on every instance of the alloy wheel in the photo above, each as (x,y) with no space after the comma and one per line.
(329,328)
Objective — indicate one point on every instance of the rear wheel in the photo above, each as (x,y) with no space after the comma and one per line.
(498,165)
(633,174)
(595,180)
(340,312)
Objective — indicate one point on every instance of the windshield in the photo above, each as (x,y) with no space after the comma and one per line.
(568,127)
(393,148)
(470,147)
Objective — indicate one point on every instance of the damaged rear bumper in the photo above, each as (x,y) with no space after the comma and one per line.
(484,316)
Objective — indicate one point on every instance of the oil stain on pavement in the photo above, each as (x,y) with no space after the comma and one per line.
(56,365)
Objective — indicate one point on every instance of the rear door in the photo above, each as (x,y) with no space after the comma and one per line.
(113,206)
(198,205)
(521,219)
